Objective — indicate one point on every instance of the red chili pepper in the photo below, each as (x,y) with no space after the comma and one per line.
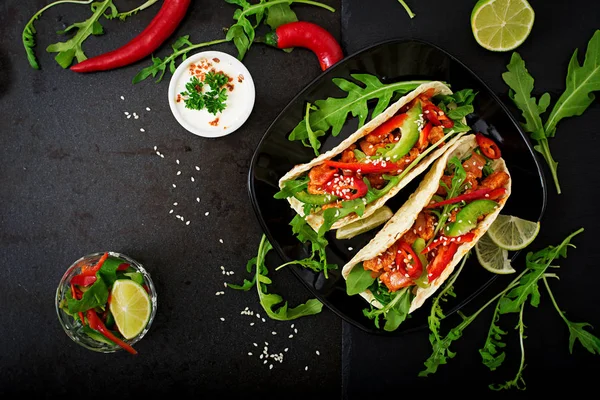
(424,136)
(365,168)
(160,29)
(123,267)
(467,237)
(488,147)
(496,194)
(87,271)
(347,188)
(474,195)
(76,297)
(98,325)
(83,280)
(436,116)
(413,268)
(390,125)
(441,261)
(309,36)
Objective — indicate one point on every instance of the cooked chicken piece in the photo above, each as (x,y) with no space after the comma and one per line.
(395,280)
(496,180)
(436,133)
(321,174)
(315,189)
(370,149)
(474,165)
(447,179)
(383,261)
(348,155)
(376,180)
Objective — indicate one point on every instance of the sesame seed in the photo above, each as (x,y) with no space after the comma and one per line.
(249,353)
(142,130)
(271,366)
(222,319)
(155,147)
(251,323)
(286,349)
(350,248)
(122,98)
(206,214)
(129,116)
(291,336)
(175,203)
(273,333)
(187,223)
(174,185)
(135,116)
(255,345)
(295,330)
(192,179)
(225,284)
(178,172)
(221,240)
(197,168)
(162,156)
(263,320)
(177,161)
(318,353)
(126,113)
(147,108)
(265,362)
(198,199)
(306,368)
(171,212)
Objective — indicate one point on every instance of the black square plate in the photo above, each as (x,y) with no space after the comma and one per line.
(390,61)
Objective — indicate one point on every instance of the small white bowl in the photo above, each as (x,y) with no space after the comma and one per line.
(240,101)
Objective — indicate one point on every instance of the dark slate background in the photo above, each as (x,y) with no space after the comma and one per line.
(376,366)
(78,177)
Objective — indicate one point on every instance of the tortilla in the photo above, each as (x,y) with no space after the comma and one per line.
(405,217)
(315,220)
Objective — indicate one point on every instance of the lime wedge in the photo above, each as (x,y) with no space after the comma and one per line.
(131,307)
(501,25)
(513,233)
(380,216)
(491,257)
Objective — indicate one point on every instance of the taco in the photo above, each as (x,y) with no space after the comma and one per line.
(419,247)
(354,179)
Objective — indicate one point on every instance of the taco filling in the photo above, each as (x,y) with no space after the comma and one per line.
(468,191)
(369,168)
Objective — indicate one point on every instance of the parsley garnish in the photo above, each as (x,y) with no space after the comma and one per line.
(214,100)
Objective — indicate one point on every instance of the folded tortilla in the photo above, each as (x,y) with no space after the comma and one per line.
(316,220)
(405,217)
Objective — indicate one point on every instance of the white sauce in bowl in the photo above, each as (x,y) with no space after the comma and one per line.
(240,94)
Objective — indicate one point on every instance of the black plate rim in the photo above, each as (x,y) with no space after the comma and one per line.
(279,250)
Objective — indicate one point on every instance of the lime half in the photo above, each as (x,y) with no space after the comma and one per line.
(513,233)
(380,216)
(501,25)
(130,305)
(491,257)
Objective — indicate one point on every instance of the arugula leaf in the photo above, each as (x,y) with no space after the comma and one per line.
(313,137)
(332,112)
(305,233)
(280,14)
(460,112)
(456,188)
(394,312)
(72,48)
(493,341)
(359,280)
(124,15)
(581,82)
(309,263)
(518,382)
(270,300)
(535,261)
(292,187)
(577,331)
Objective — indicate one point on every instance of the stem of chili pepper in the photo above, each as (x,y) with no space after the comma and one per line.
(97,325)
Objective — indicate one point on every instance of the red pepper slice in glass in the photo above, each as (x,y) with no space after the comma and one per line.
(365,168)
(441,261)
(83,280)
(488,147)
(389,126)
(87,271)
(467,237)
(413,268)
(96,324)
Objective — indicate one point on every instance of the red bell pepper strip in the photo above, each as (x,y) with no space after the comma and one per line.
(413,268)
(474,195)
(97,325)
(309,36)
(467,237)
(390,125)
(496,194)
(366,168)
(160,29)
(422,143)
(76,297)
(436,116)
(441,261)
(83,280)
(87,271)
(123,267)
(488,147)
(347,188)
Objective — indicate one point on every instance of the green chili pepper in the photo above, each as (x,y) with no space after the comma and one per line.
(316,199)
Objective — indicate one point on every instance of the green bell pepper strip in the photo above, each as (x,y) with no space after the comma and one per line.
(315,199)
(466,219)
(409,135)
